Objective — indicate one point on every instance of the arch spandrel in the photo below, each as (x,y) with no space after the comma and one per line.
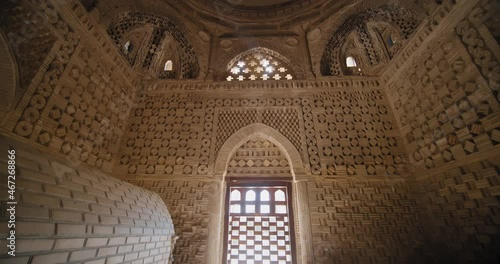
(262,131)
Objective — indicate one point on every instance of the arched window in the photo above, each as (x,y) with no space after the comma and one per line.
(168,66)
(127,46)
(235,195)
(250,196)
(258,66)
(350,62)
(391,40)
(259,227)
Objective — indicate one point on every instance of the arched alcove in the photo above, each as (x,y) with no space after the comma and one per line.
(165,36)
(262,133)
(258,62)
(398,17)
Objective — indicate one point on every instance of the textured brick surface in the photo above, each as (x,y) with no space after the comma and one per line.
(362,221)
(189,204)
(397,168)
(445,98)
(461,208)
(78,230)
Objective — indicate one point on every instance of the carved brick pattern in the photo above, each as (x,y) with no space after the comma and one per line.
(165,134)
(444,106)
(311,142)
(206,142)
(27,28)
(343,133)
(258,157)
(188,203)
(286,121)
(129,21)
(481,55)
(76,108)
(402,19)
(350,218)
(461,209)
(356,135)
(268,85)
(230,121)
(368,44)
(487,14)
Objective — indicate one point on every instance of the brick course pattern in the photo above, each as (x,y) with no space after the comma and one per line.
(461,209)
(355,221)
(74,104)
(446,105)
(340,134)
(69,214)
(189,203)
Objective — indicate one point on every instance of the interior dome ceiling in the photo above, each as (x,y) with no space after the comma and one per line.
(252,11)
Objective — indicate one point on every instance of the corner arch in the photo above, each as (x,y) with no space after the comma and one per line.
(258,130)
(404,20)
(161,29)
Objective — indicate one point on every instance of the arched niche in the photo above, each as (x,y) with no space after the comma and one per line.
(9,77)
(402,19)
(389,38)
(263,131)
(168,62)
(134,43)
(293,69)
(300,197)
(150,55)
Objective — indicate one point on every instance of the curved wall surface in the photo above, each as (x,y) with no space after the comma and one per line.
(69,213)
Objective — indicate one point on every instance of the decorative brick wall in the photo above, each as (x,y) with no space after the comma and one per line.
(258,157)
(174,138)
(189,203)
(348,131)
(72,99)
(397,169)
(461,206)
(446,105)
(75,214)
(444,93)
(363,221)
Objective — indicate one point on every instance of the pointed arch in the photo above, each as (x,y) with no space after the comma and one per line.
(258,130)
(259,64)
(239,51)
(152,49)
(300,197)
(401,18)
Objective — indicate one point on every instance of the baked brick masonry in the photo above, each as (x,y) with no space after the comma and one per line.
(130,118)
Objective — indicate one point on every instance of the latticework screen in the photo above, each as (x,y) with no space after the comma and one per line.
(259,226)
(258,67)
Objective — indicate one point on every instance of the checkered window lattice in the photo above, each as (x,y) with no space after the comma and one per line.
(259,227)
(258,67)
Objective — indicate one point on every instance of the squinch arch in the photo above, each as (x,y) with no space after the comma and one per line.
(258,130)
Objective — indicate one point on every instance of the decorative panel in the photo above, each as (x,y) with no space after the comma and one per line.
(446,109)
(258,157)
